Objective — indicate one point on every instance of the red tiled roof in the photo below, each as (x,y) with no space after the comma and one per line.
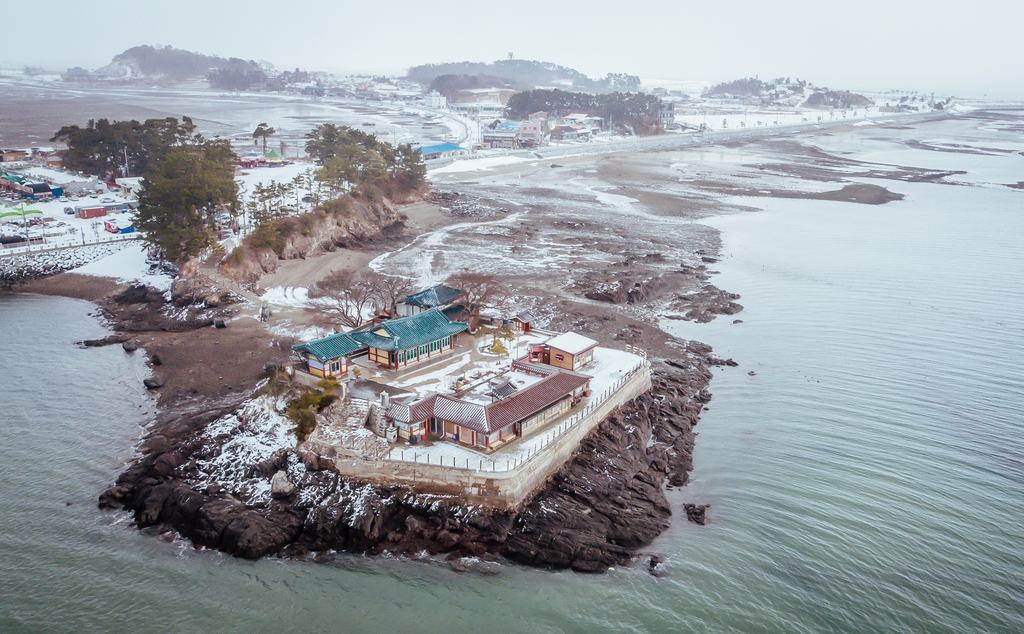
(534,399)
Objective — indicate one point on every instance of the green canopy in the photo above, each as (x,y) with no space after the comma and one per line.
(19,213)
(272,154)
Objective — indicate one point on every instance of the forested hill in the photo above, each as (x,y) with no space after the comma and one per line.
(172,63)
(521,74)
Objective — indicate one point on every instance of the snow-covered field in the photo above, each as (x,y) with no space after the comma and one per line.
(479,164)
(128,265)
(18,267)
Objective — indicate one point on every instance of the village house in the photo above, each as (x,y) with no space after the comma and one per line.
(440,151)
(520,322)
(329,357)
(504,135)
(569,350)
(398,343)
(13,156)
(531,133)
(130,186)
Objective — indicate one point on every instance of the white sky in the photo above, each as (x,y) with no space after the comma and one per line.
(962,48)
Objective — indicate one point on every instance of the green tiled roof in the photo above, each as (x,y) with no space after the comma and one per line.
(410,332)
(331,347)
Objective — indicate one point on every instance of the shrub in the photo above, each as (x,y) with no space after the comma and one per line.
(339,207)
(303,410)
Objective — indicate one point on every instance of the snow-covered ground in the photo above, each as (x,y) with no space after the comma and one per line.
(29,265)
(256,430)
(129,265)
(287,296)
(473,165)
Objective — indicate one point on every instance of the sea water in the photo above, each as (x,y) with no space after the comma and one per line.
(867,477)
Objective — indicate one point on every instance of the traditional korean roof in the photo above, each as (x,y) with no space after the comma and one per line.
(411,413)
(525,316)
(485,419)
(331,347)
(538,369)
(533,400)
(462,413)
(504,390)
(439,295)
(409,332)
(572,343)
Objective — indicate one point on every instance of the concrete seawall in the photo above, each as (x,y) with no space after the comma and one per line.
(501,489)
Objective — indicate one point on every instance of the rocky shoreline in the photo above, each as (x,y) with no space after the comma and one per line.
(599,510)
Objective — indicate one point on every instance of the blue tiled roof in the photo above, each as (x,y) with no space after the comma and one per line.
(410,332)
(331,347)
(434,296)
(437,149)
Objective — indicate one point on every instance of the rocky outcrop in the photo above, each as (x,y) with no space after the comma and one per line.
(704,305)
(597,511)
(356,221)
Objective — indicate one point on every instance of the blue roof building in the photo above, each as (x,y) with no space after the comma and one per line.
(397,343)
(443,150)
(329,356)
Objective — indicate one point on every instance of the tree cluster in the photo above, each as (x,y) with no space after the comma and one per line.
(181,194)
(449,85)
(638,111)
(122,148)
(232,79)
(521,74)
(351,158)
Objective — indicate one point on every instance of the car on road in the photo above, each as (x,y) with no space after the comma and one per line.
(69,211)
(107,200)
(63,199)
(93,195)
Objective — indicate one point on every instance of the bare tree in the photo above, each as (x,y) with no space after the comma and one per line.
(345,295)
(392,289)
(479,290)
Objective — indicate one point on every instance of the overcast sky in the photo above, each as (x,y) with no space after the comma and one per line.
(962,48)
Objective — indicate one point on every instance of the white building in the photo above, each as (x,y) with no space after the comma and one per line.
(436,100)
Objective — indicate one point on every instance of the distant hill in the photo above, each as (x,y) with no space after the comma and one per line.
(784,90)
(516,74)
(172,64)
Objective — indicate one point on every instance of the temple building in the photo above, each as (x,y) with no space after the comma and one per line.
(398,343)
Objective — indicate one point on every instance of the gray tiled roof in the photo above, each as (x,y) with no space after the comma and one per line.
(489,418)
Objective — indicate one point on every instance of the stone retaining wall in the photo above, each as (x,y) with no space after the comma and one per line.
(502,489)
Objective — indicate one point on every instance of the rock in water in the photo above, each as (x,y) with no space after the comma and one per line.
(281,486)
(220,323)
(153,382)
(696,512)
